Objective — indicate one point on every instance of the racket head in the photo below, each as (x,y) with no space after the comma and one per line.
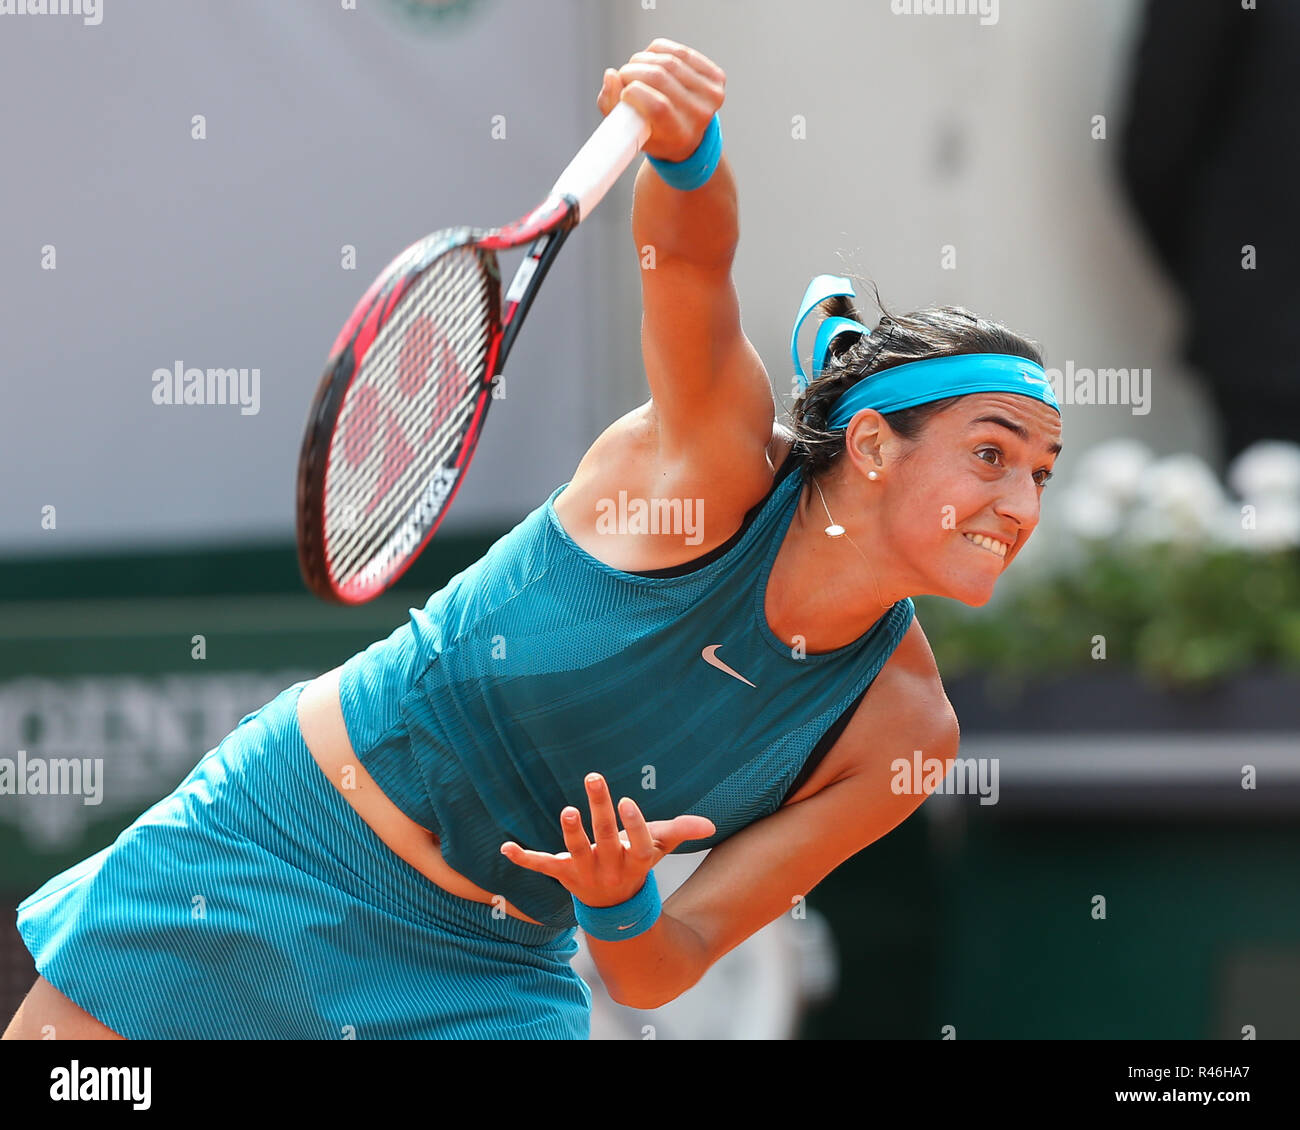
(397,416)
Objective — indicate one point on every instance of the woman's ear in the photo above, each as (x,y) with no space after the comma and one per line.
(864,441)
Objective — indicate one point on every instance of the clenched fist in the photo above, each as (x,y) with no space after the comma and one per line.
(675,88)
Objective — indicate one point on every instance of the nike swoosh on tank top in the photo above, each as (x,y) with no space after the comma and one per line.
(538,664)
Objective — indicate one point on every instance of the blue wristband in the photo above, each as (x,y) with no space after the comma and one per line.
(623,920)
(699,166)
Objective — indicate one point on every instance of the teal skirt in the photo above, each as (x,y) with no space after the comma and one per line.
(254,903)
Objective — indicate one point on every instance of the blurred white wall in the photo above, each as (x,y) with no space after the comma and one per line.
(325,127)
(329,127)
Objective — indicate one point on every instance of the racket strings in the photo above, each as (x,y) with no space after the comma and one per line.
(405,414)
(363,541)
(373,500)
(372,534)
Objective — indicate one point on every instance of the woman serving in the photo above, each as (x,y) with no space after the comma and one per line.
(405,846)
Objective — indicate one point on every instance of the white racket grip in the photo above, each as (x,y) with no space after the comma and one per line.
(602,158)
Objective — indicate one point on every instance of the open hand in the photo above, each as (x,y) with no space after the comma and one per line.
(614,868)
(675,88)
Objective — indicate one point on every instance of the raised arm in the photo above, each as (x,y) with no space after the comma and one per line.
(709,390)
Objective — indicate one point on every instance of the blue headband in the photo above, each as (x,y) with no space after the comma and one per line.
(916,382)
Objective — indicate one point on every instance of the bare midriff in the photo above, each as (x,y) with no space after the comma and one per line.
(320,715)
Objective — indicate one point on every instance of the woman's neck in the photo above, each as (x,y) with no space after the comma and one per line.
(823,589)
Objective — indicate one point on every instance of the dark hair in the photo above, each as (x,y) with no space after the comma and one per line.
(935,331)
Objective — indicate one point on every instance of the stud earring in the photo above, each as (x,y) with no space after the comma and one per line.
(872,475)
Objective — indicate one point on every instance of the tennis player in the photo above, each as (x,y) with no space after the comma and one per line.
(405,846)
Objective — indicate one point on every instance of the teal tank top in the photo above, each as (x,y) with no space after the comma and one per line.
(480,716)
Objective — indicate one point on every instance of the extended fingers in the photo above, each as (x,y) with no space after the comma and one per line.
(668,835)
(575,835)
(604,823)
(639,840)
(539,861)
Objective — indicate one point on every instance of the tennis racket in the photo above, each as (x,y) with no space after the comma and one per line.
(406,389)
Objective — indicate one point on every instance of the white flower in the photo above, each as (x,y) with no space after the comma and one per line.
(1181,501)
(1089,513)
(1149,525)
(1267,469)
(1115,469)
(1232,531)
(1274,524)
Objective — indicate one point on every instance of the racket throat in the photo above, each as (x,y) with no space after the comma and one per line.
(524,286)
(527,269)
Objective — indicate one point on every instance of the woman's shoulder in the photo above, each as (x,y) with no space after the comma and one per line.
(907,697)
(905,708)
(913,661)
(628,461)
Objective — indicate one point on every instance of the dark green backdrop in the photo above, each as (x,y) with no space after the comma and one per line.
(987,929)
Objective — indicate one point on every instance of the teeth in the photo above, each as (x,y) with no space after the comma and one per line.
(998,547)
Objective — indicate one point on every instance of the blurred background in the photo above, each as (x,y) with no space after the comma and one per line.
(214,184)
